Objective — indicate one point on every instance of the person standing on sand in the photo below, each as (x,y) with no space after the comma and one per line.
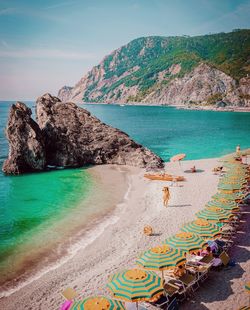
(166,196)
(238,149)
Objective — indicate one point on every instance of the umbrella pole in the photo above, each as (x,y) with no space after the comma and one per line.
(162,274)
(137,305)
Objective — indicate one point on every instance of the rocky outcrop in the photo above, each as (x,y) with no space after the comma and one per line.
(68,136)
(65,93)
(26,143)
(73,138)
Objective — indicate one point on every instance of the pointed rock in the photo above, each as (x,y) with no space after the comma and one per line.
(26,144)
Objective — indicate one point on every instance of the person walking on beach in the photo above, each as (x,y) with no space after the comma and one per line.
(166,196)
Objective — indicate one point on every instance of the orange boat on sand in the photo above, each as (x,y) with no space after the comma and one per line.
(164,177)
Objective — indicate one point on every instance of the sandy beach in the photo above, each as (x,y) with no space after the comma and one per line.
(140,203)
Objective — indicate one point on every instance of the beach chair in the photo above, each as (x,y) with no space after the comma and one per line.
(171,289)
(173,305)
(161,303)
(190,281)
(69,293)
(224,258)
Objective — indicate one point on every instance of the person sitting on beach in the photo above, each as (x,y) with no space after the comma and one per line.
(193,169)
(207,252)
(166,196)
(179,271)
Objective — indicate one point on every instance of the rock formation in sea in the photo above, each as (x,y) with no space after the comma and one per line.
(26,142)
(202,70)
(68,136)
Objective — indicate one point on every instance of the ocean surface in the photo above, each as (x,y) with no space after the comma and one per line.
(34,207)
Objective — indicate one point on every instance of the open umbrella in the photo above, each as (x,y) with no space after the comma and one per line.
(229,205)
(228,197)
(136,285)
(97,303)
(203,228)
(178,158)
(214,214)
(161,258)
(186,241)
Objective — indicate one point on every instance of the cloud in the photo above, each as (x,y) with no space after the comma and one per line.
(46,54)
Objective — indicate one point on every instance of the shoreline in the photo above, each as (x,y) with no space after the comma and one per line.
(76,239)
(120,243)
(177,107)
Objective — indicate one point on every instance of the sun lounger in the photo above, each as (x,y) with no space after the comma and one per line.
(69,294)
(224,258)
(171,289)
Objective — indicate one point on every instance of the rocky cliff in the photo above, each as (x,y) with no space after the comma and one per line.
(69,136)
(26,142)
(201,70)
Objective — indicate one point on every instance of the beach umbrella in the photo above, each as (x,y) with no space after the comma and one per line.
(186,241)
(97,303)
(228,197)
(214,214)
(161,258)
(229,187)
(203,228)
(136,285)
(178,158)
(247,287)
(230,205)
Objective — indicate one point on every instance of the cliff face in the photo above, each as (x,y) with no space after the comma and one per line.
(69,136)
(26,142)
(171,70)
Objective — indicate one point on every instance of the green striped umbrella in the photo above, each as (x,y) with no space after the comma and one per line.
(230,205)
(161,258)
(136,285)
(229,187)
(97,303)
(247,287)
(186,241)
(213,214)
(228,197)
(202,228)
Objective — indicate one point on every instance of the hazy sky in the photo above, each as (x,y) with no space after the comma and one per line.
(47,44)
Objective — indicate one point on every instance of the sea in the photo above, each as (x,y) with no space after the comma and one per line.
(35,208)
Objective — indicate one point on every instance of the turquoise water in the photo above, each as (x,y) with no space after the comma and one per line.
(168,131)
(33,203)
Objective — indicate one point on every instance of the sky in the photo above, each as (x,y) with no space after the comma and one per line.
(45,45)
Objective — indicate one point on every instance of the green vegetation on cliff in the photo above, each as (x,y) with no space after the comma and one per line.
(139,62)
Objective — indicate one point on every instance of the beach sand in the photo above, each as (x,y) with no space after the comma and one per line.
(121,242)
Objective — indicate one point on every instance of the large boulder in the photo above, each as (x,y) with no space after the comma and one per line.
(73,138)
(26,143)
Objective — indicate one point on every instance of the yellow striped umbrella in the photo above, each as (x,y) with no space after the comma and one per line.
(97,303)
(230,206)
(214,214)
(247,287)
(161,258)
(186,241)
(203,228)
(136,285)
